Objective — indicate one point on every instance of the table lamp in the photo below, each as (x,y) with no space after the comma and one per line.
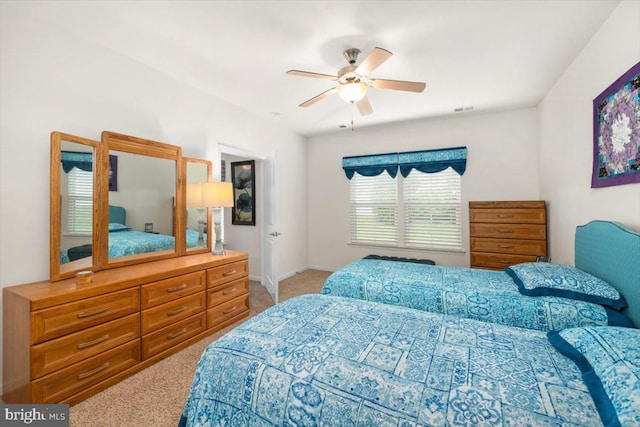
(217,195)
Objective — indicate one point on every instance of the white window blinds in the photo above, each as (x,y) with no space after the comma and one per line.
(429,205)
(432,210)
(80,202)
(374,209)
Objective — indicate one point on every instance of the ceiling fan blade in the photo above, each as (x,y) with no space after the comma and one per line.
(364,106)
(399,85)
(310,74)
(373,61)
(318,97)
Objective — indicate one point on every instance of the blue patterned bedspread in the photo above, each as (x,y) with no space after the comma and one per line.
(133,242)
(319,360)
(486,295)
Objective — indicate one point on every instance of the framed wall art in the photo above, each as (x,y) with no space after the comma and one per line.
(616,132)
(244,197)
(113,172)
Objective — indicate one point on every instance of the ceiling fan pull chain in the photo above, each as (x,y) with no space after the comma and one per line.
(353,106)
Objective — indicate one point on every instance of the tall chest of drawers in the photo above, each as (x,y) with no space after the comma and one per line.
(504,233)
(64,342)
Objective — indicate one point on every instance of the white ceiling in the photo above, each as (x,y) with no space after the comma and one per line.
(485,54)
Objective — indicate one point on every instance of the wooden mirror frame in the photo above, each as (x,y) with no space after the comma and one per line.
(144,147)
(100,228)
(208,217)
(58,271)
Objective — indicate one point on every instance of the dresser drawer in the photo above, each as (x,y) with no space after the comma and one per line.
(498,261)
(61,352)
(225,273)
(75,378)
(508,216)
(166,314)
(168,337)
(167,290)
(65,318)
(227,292)
(509,231)
(509,246)
(228,310)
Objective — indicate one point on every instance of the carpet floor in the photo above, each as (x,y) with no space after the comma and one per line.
(155,396)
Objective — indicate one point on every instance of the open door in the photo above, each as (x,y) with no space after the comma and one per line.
(270,238)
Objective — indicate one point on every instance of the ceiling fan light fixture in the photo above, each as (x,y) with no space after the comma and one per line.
(352,92)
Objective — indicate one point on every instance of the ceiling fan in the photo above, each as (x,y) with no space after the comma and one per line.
(354,80)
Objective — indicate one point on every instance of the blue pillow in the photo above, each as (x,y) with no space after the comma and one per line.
(559,280)
(114,226)
(609,359)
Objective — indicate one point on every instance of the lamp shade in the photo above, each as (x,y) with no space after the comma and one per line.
(194,195)
(352,92)
(217,194)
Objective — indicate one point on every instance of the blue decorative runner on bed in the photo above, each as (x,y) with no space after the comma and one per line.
(473,293)
(318,360)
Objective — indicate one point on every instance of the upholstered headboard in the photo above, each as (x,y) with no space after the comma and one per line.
(611,251)
(117,214)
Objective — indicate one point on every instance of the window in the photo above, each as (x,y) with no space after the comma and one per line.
(80,202)
(429,205)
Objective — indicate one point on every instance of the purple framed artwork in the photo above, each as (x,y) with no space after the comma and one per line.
(616,132)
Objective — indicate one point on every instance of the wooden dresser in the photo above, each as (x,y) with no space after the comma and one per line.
(507,233)
(64,342)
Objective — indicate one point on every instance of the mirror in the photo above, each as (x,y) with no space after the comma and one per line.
(198,239)
(73,219)
(142,188)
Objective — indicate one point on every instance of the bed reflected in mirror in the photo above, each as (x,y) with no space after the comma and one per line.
(141,204)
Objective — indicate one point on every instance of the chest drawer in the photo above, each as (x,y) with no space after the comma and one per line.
(509,231)
(176,287)
(226,311)
(508,216)
(226,273)
(68,381)
(166,314)
(66,318)
(498,261)
(168,337)
(523,247)
(227,292)
(61,352)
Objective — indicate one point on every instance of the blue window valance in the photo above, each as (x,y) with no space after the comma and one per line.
(433,161)
(372,165)
(78,159)
(427,161)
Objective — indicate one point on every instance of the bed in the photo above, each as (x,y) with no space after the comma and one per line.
(506,297)
(320,360)
(124,241)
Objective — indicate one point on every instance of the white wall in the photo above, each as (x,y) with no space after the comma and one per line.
(502,165)
(566,135)
(51,80)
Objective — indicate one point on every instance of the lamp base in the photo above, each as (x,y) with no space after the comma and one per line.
(218,249)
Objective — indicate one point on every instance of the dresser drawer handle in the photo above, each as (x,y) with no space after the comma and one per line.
(176,334)
(505,215)
(504,261)
(94,371)
(93,313)
(229,273)
(177,311)
(507,246)
(177,288)
(231,310)
(84,345)
(504,231)
(228,291)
